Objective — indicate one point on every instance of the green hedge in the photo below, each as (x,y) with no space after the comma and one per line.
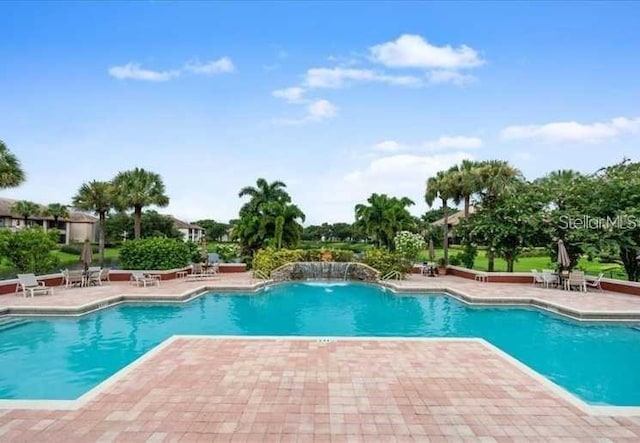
(268,259)
(155,253)
(386,261)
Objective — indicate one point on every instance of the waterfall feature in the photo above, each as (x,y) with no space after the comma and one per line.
(325,271)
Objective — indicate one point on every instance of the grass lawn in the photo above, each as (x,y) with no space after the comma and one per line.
(525,264)
(73,259)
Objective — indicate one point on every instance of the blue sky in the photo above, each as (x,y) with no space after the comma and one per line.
(339,100)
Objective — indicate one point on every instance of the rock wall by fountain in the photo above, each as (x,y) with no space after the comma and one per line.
(325,271)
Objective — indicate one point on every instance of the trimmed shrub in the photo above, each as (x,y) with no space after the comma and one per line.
(29,249)
(385,261)
(155,253)
(268,259)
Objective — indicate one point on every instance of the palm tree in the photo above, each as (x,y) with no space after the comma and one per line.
(136,189)
(25,209)
(11,173)
(96,196)
(443,186)
(497,178)
(57,211)
(467,179)
(268,216)
(383,218)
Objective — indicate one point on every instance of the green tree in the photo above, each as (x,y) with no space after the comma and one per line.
(25,209)
(614,198)
(383,217)
(57,211)
(466,178)
(153,225)
(11,173)
(444,187)
(30,249)
(268,217)
(98,197)
(497,178)
(214,230)
(136,189)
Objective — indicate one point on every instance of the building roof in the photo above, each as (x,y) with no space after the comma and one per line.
(454,218)
(183,224)
(75,216)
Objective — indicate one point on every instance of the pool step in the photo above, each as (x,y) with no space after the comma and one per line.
(12,322)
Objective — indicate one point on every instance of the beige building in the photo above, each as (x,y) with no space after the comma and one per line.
(189,231)
(75,229)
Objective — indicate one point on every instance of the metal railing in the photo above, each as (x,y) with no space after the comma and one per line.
(392,275)
(260,275)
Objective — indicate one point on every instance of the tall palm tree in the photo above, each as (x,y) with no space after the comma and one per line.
(57,211)
(443,186)
(268,217)
(383,217)
(136,189)
(497,178)
(25,209)
(11,173)
(466,176)
(96,196)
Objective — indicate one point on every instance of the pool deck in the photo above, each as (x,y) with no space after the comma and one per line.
(306,389)
(299,390)
(591,305)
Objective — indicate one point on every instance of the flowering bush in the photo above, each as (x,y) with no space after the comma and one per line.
(408,244)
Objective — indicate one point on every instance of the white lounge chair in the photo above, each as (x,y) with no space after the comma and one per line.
(139,277)
(537,278)
(576,279)
(104,275)
(29,285)
(596,283)
(549,278)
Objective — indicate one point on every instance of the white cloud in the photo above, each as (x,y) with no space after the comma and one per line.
(441,76)
(321,110)
(339,77)
(213,67)
(445,142)
(387,146)
(456,141)
(413,51)
(317,111)
(572,131)
(291,95)
(134,71)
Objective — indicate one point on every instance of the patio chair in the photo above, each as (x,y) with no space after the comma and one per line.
(212,268)
(549,278)
(72,278)
(139,277)
(538,279)
(596,283)
(28,284)
(576,279)
(92,276)
(104,275)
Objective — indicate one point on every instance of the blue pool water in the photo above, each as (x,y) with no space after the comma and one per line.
(62,358)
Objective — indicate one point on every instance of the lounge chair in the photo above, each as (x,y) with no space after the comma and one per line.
(28,284)
(595,283)
(139,277)
(199,272)
(576,279)
(549,278)
(538,279)
(92,276)
(72,278)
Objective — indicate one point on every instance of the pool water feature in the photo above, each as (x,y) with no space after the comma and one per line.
(62,358)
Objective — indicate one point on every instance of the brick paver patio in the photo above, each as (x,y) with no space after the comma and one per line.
(253,390)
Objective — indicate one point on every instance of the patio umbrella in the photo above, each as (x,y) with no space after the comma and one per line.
(432,252)
(563,256)
(87,254)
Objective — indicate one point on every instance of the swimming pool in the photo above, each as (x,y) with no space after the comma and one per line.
(62,358)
